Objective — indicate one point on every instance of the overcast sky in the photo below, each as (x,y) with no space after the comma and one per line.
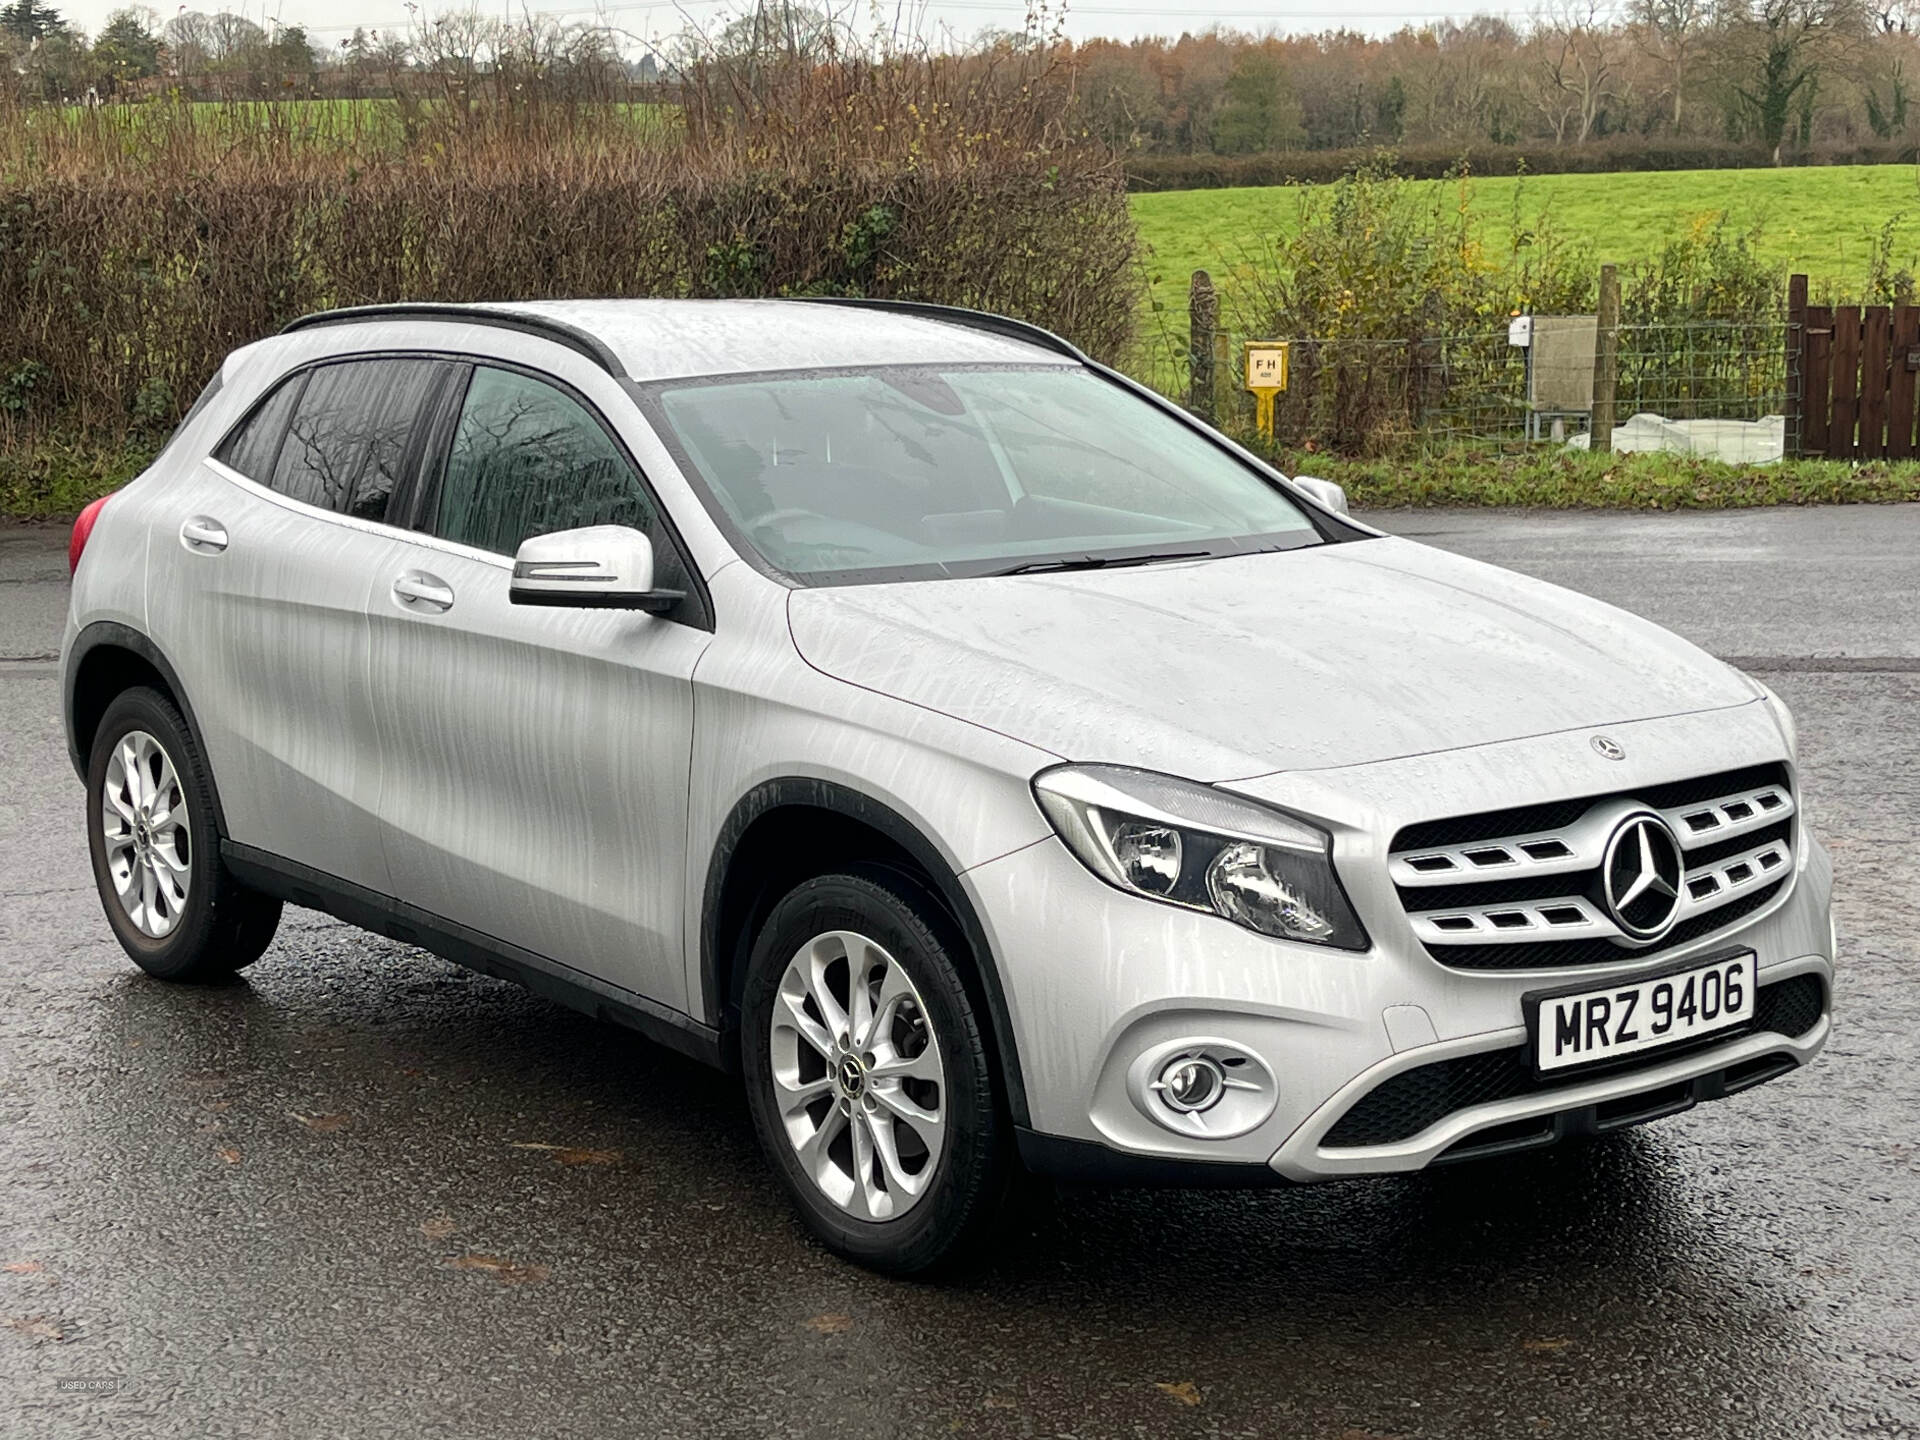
(329,21)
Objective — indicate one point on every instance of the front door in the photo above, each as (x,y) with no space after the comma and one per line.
(535,760)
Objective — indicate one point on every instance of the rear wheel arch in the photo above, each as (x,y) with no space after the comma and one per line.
(106,660)
(756,862)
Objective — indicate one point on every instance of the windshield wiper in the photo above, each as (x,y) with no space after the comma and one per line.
(1098,562)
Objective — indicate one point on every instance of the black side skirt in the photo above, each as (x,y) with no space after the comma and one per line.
(302,885)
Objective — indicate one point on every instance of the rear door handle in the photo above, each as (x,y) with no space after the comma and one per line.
(417,590)
(204,535)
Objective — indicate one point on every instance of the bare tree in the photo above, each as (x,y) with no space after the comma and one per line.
(1575,68)
(1672,33)
(453,47)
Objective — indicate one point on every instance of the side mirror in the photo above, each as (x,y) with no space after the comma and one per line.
(1328,495)
(599,567)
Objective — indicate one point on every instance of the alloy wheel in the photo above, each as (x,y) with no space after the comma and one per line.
(858,1076)
(143,820)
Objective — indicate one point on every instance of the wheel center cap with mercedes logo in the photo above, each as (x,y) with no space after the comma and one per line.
(1640,876)
(853,1076)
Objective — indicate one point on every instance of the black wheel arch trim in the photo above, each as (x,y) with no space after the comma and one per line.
(104,633)
(808,793)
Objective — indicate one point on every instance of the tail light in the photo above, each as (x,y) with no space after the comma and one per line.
(82,528)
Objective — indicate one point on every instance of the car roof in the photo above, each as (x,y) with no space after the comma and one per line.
(676,339)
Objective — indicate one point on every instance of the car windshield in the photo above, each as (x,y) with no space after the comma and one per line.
(899,472)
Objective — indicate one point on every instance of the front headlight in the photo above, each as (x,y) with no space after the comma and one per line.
(1202,849)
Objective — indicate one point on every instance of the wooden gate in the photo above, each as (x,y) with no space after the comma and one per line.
(1851,373)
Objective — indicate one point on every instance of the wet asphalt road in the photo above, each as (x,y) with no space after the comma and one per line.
(325,1200)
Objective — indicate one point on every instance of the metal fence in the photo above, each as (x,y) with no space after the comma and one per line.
(1675,384)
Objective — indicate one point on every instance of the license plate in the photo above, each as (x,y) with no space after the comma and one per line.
(1581,1027)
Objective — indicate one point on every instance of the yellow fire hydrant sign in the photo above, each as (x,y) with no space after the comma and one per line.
(1266,378)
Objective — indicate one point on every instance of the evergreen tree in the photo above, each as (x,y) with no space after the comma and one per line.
(126,49)
(30,20)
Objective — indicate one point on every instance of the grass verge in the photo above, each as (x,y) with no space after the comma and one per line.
(54,480)
(1576,480)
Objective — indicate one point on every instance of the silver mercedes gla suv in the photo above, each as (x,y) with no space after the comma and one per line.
(998,768)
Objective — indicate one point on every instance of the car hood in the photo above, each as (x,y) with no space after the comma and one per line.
(1225,669)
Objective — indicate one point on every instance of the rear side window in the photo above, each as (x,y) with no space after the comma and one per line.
(349,434)
(528,460)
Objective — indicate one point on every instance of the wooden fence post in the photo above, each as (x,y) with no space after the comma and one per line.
(1796,402)
(1203,318)
(1606,358)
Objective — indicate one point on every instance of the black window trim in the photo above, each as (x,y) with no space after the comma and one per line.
(695,611)
(406,509)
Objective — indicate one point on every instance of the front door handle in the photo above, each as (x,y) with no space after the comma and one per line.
(204,535)
(417,590)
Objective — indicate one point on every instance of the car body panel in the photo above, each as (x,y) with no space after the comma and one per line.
(765,715)
(1306,659)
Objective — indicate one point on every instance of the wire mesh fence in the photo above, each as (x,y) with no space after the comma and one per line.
(1716,385)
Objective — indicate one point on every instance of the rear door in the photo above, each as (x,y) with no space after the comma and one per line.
(536,759)
(260,568)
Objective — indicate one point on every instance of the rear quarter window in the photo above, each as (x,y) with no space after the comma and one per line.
(253,447)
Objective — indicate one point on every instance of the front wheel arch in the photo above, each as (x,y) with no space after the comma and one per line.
(745,879)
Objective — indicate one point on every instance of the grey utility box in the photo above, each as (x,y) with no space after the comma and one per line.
(1560,351)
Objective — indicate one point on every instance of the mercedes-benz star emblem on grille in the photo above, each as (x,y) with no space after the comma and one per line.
(1612,749)
(1640,876)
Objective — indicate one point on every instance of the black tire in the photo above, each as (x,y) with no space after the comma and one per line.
(974,1169)
(221,926)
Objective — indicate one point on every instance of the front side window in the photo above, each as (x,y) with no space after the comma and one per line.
(527,459)
(905,472)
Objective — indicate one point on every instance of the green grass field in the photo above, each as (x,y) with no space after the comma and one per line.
(1824,221)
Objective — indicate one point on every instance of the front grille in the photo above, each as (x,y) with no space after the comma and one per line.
(1403,1105)
(1523,888)
(1546,954)
(1491,824)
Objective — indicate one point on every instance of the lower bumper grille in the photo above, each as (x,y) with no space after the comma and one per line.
(1404,1105)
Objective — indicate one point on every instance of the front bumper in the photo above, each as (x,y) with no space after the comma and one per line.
(1095,980)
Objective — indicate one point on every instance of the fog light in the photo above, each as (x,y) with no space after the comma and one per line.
(1190,1083)
(1205,1087)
